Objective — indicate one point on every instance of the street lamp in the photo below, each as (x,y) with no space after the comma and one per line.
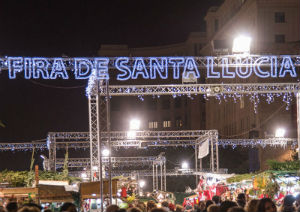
(279,133)
(105,152)
(131,134)
(241,44)
(134,124)
(142,183)
(83,175)
(184,165)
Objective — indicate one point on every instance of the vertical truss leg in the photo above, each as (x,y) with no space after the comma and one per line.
(156,177)
(161,177)
(212,164)
(196,163)
(52,152)
(165,176)
(298,122)
(94,135)
(153,176)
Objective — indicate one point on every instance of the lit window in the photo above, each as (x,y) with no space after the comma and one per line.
(152,124)
(179,122)
(166,124)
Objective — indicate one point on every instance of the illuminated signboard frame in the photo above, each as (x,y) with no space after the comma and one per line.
(131,68)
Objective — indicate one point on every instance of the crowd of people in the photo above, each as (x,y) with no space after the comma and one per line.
(32,207)
(289,204)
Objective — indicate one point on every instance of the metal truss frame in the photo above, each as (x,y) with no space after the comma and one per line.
(195,89)
(84,143)
(149,172)
(124,161)
(143,139)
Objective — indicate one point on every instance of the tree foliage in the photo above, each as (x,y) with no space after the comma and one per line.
(26,178)
(283,166)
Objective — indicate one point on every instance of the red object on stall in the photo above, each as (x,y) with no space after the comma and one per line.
(124,192)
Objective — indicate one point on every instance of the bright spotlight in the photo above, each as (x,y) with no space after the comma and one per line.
(142,183)
(241,44)
(280,133)
(83,175)
(184,165)
(105,152)
(135,124)
(95,168)
(131,134)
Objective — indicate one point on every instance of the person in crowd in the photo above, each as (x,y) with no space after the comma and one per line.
(2,209)
(251,205)
(29,209)
(122,210)
(213,208)
(236,209)
(150,205)
(226,205)
(112,208)
(12,207)
(188,208)
(69,207)
(216,199)
(266,205)
(241,200)
(165,206)
(141,206)
(297,203)
(207,204)
(134,209)
(48,210)
(287,205)
(178,208)
(158,210)
(171,206)
(201,206)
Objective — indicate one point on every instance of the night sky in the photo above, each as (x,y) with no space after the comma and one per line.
(32,108)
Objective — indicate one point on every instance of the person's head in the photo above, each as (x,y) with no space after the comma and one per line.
(151,205)
(226,205)
(251,205)
(158,210)
(31,204)
(68,206)
(213,208)
(288,201)
(29,209)
(141,206)
(216,199)
(112,208)
(201,205)
(178,208)
(165,204)
(241,196)
(266,205)
(236,209)
(12,207)
(298,201)
(134,209)
(171,206)
(208,203)
(2,209)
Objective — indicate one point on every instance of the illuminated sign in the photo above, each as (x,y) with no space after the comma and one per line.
(127,68)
